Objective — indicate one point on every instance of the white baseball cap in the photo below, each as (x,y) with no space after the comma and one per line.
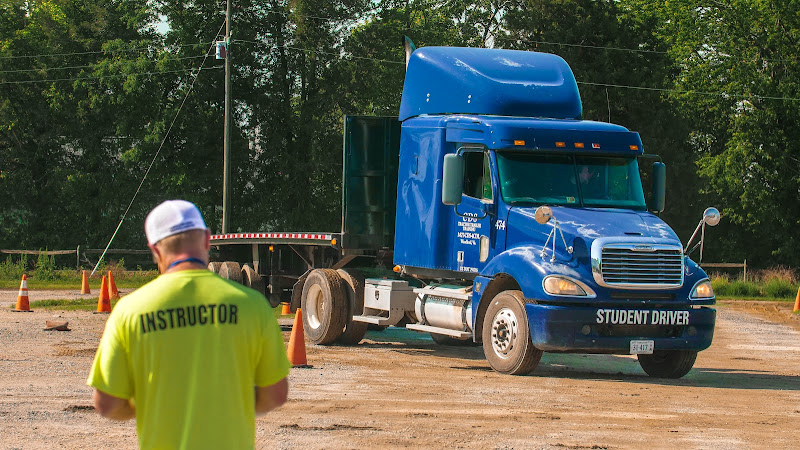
(172,217)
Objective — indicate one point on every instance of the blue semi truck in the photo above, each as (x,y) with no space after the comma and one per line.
(488,212)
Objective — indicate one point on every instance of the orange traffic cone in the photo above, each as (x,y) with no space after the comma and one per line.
(103,302)
(297,343)
(22,297)
(797,302)
(85,284)
(113,293)
(286,310)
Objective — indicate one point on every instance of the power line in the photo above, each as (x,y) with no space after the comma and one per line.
(322,52)
(607,85)
(44,55)
(45,69)
(512,39)
(191,69)
(679,91)
(498,38)
(166,135)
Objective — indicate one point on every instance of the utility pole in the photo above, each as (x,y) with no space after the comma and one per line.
(226,167)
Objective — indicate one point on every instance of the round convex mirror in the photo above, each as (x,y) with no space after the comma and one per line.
(711,216)
(543,214)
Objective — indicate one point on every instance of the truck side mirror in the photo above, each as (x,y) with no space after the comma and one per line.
(453,179)
(659,187)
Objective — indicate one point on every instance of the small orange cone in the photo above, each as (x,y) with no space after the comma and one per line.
(113,293)
(22,297)
(85,284)
(297,343)
(797,302)
(103,302)
(286,310)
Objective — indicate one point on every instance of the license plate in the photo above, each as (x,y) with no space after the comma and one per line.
(641,347)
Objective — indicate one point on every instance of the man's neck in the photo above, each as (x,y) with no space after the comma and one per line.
(185,261)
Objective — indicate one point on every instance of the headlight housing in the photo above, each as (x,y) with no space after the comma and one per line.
(566,287)
(702,290)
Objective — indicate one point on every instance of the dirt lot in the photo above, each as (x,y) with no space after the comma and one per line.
(399,389)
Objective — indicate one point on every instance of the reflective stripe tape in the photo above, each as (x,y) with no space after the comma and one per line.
(218,237)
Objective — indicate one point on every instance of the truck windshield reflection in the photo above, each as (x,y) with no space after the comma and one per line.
(570,180)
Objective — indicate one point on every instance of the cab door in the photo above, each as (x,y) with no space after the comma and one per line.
(474,218)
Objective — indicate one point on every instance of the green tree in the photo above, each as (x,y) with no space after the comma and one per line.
(738,87)
(620,63)
(58,161)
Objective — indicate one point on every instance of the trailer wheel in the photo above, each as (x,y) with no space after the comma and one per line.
(252,279)
(668,363)
(324,305)
(214,266)
(506,337)
(354,288)
(231,271)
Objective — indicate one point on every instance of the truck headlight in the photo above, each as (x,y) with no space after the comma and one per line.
(563,286)
(702,290)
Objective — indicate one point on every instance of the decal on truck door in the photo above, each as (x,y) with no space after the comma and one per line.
(473,224)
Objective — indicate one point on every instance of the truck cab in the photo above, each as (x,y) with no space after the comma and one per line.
(537,219)
(489,212)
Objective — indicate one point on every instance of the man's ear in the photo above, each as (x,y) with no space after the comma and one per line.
(208,239)
(155,253)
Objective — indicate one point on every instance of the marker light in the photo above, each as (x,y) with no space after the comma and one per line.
(333,241)
(561,144)
(516,142)
(595,145)
(555,285)
(702,289)
(579,145)
(396,269)
(271,248)
(634,147)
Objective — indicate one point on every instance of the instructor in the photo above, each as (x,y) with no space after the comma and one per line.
(192,356)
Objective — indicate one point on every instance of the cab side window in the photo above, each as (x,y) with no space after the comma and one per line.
(477,176)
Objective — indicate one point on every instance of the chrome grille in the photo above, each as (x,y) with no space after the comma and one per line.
(642,266)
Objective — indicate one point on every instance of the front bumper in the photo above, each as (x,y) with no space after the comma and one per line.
(585,330)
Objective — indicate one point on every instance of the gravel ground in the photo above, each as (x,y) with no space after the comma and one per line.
(399,389)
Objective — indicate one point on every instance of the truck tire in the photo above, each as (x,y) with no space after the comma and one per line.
(231,271)
(506,337)
(668,363)
(354,289)
(252,279)
(324,305)
(214,266)
(443,339)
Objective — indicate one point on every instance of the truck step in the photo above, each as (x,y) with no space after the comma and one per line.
(437,330)
(377,320)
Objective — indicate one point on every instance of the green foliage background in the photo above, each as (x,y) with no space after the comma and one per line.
(89,89)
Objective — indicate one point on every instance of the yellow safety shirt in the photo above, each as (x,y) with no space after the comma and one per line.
(190,347)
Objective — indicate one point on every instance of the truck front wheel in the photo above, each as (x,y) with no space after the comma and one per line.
(506,337)
(324,305)
(668,363)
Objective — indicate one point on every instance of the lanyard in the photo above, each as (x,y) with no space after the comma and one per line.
(179,261)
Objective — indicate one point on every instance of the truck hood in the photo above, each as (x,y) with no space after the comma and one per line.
(587,224)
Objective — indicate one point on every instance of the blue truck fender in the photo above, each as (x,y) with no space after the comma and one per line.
(519,268)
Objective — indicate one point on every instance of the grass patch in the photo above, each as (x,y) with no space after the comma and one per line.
(43,274)
(78,304)
(71,279)
(779,283)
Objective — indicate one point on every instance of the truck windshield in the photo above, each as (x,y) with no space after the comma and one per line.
(570,180)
